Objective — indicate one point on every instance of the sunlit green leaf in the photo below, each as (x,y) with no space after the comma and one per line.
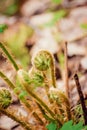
(52,126)
(3,27)
(69,126)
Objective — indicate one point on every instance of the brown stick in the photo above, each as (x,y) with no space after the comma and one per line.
(66,71)
(81,98)
(66,79)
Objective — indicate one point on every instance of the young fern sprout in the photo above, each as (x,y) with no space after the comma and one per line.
(5,98)
(27,86)
(37,77)
(5,101)
(11,85)
(61,99)
(4,77)
(24,77)
(21,95)
(44,61)
(34,78)
(40,79)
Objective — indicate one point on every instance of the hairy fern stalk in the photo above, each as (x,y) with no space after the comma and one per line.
(54,108)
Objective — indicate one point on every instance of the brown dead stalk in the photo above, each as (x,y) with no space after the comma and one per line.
(66,71)
(81,98)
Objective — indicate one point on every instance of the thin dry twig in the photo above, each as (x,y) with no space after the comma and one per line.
(66,79)
(66,71)
(81,98)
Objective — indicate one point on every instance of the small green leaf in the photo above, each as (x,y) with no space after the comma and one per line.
(57,1)
(56,16)
(3,27)
(59,14)
(83,26)
(22,94)
(69,126)
(12,9)
(52,126)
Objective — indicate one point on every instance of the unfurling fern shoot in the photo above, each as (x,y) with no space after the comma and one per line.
(44,61)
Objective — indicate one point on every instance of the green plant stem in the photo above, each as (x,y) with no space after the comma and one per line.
(12,86)
(44,113)
(52,67)
(39,100)
(9,56)
(5,78)
(16,118)
(67,104)
(53,73)
(47,90)
(46,86)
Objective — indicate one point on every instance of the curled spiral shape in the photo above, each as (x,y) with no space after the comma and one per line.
(42,61)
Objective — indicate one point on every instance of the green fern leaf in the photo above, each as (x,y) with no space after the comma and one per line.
(69,126)
(52,126)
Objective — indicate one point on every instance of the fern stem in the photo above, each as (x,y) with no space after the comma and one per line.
(6,79)
(47,86)
(44,113)
(16,118)
(9,56)
(38,100)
